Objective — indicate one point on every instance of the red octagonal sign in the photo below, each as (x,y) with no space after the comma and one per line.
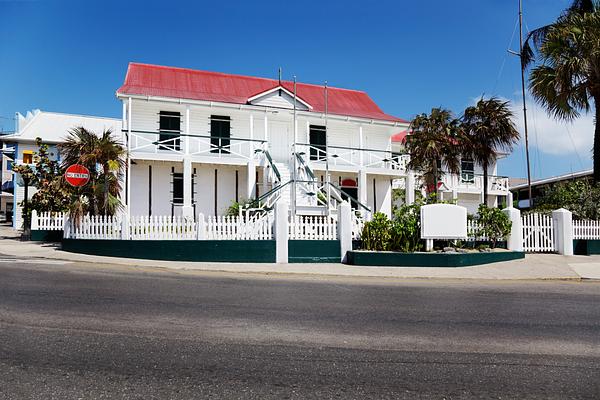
(77,175)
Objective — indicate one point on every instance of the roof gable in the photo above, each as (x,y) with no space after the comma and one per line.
(279,97)
(181,83)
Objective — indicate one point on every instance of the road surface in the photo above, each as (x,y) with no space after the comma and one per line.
(91,331)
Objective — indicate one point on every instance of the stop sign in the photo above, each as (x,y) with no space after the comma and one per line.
(77,175)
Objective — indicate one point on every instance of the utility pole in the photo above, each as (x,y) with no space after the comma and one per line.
(521,57)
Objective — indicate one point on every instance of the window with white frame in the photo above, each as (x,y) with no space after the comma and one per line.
(467,170)
(170,130)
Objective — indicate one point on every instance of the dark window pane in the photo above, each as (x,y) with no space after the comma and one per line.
(170,129)
(318,142)
(177,188)
(220,132)
(467,168)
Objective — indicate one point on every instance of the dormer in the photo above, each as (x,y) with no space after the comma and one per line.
(279,97)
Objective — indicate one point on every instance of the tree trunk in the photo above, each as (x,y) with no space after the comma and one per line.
(435,182)
(485,183)
(597,141)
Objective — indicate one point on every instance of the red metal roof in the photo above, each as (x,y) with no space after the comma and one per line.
(399,137)
(182,83)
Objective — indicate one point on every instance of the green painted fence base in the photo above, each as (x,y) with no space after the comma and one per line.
(586,247)
(46,236)
(314,251)
(393,259)
(245,251)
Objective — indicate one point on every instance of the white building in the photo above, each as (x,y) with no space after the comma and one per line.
(198,141)
(52,128)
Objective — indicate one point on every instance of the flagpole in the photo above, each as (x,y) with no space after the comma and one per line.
(327,177)
(521,57)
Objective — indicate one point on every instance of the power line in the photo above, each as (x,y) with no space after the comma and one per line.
(501,70)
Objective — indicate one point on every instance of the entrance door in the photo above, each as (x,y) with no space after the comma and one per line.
(280,141)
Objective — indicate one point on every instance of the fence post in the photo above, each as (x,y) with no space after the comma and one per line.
(514,242)
(35,223)
(66,226)
(562,221)
(125,227)
(201,227)
(281,232)
(344,226)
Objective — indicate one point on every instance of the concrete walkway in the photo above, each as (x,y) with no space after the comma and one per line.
(534,266)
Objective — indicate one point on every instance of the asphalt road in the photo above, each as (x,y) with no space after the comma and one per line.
(93,332)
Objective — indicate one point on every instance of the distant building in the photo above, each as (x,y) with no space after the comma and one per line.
(520,191)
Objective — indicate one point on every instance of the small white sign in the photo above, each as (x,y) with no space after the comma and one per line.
(443,221)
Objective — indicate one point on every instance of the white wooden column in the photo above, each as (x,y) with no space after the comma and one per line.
(360,146)
(251,144)
(128,172)
(409,187)
(188,209)
(251,179)
(362,186)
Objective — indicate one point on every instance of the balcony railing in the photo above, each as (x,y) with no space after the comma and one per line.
(354,157)
(475,182)
(151,142)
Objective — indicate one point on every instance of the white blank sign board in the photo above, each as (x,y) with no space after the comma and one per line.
(443,221)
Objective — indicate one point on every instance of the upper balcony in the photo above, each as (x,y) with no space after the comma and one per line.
(173,146)
(473,183)
(343,158)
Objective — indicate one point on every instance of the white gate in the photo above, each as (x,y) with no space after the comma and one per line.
(538,233)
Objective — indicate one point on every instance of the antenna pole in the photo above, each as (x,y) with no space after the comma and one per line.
(327,177)
(521,57)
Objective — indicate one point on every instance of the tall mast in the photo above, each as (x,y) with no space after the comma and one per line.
(327,178)
(521,57)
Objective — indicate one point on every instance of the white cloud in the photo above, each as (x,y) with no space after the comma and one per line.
(552,136)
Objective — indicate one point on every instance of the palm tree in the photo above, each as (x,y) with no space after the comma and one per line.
(566,79)
(488,128)
(433,145)
(84,147)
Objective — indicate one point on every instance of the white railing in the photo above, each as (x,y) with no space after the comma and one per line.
(475,182)
(312,227)
(162,228)
(257,227)
(145,142)
(538,233)
(96,227)
(348,156)
(586,229)
(47,221)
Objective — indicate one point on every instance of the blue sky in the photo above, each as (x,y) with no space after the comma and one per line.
(409,56)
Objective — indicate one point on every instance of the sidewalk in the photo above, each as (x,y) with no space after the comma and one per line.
(534,266)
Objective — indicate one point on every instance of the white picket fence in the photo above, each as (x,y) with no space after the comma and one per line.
(162,228)
(473,227)
(257,227)
(312,227)
(47,221)
(96,227)
(586,229)
(538,233)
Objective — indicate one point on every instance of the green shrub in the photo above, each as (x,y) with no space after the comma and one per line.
(493,223)
(405,232)
(376,233)
(237,206)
